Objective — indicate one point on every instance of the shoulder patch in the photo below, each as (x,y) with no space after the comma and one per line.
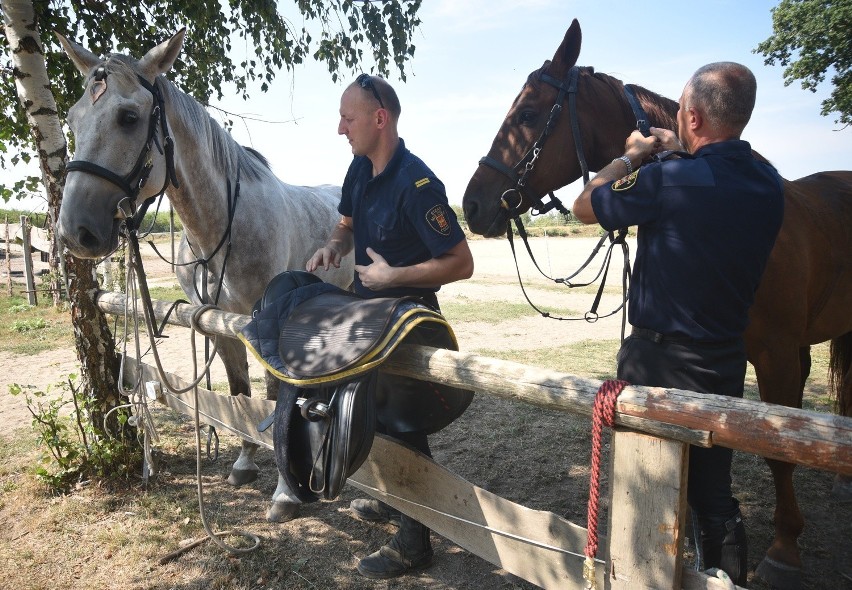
(421,182)
(436,217)
(626,183)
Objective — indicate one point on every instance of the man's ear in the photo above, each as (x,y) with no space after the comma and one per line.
(694,119)
(382,118)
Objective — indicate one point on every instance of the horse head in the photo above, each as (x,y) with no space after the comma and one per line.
(121,144)
(536,150)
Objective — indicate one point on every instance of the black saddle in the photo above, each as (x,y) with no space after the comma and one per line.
(324,345)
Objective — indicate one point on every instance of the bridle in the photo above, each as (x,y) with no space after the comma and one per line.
(133,182)
(520,172)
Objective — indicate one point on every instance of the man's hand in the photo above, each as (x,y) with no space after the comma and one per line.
(638,147)
(378,275)
(324,257)
(668,139)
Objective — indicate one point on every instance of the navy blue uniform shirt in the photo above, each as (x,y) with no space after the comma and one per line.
(706,228)
(402,213)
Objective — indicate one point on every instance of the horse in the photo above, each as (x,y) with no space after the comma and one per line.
(805,295)
(242,225)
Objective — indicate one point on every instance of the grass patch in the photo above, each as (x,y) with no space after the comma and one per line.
(31,329)
(493,312)
(172,293)
(593,359)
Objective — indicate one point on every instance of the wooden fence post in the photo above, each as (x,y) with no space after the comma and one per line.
(8,258)
(28,261)
(647,511)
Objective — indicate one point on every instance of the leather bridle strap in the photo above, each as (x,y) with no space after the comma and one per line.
(641,117)
(520,172)
(133,182)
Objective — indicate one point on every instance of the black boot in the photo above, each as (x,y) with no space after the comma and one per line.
(374,511)
(724,546)
(409,550)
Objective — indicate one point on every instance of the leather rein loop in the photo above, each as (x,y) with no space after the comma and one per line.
(133,182)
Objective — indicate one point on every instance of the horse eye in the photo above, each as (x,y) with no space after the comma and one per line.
(128,118)
(527,118)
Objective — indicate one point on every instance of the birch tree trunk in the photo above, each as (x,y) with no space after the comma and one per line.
(93,339)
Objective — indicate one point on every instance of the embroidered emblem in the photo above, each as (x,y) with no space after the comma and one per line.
(626,183)
(421,182)
(437,219)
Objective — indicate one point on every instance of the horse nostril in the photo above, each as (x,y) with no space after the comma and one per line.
(87,239)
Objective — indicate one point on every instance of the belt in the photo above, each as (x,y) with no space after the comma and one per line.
(656,337)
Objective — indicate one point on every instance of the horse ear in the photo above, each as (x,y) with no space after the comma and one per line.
(84,59)
(160,59)
(566,56)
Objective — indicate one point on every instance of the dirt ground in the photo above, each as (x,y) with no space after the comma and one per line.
(530,456)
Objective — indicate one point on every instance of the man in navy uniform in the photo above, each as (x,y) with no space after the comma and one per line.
(707,220)
(407,241)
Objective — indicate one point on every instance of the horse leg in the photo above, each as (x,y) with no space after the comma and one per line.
(234,356)
(781,380)
(284,505)
(841,370)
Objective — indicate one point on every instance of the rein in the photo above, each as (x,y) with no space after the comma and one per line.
(519,175)
(133,182)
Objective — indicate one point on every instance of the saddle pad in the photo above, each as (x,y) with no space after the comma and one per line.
(330,334)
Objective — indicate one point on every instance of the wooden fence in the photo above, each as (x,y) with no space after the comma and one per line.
(644,540)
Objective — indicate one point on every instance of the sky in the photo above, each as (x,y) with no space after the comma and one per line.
(473,56)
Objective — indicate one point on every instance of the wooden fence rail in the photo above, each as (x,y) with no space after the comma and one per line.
(813,439)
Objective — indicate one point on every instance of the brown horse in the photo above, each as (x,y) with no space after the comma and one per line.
(805,296)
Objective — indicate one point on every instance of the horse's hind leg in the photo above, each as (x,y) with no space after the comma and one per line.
(781,376)
(841,379)
(235,359)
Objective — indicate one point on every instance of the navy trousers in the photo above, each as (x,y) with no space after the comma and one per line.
(705,368)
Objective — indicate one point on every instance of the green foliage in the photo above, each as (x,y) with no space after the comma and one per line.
(29,325)
(71,448)
(809,38)
(271,42)
(159,223)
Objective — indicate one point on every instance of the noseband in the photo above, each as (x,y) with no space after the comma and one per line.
(131,184)
(519,173)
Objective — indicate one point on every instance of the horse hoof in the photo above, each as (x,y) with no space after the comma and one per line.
(282,511)
(240,477)
(842,489)
(778,575)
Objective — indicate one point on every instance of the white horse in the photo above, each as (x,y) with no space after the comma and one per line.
(238,217)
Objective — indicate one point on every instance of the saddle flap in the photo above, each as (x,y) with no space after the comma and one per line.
(328,440)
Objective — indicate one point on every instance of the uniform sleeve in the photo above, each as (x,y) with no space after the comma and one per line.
(431,216)
(345,206)
(631,200)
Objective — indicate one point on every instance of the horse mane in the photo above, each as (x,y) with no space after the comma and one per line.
(224,149)
(661,111)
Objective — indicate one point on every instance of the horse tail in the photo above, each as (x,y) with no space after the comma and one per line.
(839,374)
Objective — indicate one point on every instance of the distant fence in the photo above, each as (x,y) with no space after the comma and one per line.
(33,241)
